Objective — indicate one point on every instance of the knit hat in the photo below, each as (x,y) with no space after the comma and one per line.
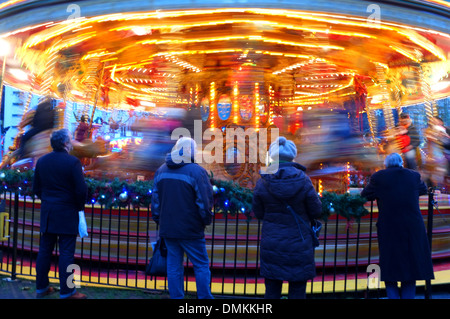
(184,150)
(285,149)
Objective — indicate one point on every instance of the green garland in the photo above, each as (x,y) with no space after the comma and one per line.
(118,193)
(229,197)
(345,205)
(15,180)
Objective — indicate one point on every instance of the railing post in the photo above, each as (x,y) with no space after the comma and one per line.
(15,227)
(430,235)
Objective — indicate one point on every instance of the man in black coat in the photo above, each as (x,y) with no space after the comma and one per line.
(60,184)
(405,254)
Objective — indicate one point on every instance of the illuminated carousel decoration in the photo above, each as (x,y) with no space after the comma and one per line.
(306,72)
(249,67)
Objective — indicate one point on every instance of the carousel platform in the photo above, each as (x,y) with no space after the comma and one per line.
(119,242)
(120,235)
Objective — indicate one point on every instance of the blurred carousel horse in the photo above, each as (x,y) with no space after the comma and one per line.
(338,152)
(328,140)
(145,158)
(90,149)
(435,161)
(25,156)
(34,148)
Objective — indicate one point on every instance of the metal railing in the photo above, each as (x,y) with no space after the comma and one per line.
(119,245)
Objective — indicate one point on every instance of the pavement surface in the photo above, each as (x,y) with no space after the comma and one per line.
(25,289)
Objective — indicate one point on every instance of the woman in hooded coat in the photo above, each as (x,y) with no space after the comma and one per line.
(287,247)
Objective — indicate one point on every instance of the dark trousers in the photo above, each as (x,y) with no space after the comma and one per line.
(407,290)
(66,247)
(297,289)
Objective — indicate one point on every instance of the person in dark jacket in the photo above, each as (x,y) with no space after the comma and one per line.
(287,249)
(410,150)
(59,183)
(402,240)
(182,200)
(44,119)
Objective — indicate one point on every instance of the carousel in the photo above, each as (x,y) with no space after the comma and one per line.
(333,80)
(322,79)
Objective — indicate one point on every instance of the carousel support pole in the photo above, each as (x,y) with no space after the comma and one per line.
(99,87)
(398,100)
(387,110)
(1,87)
(91,73)
(3,76)
(67,109)
(430,110)
(372,122)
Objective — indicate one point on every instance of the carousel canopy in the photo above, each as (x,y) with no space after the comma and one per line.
(132,54)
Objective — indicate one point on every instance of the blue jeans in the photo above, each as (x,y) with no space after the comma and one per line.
(66,245)
(196,251)
(408,290)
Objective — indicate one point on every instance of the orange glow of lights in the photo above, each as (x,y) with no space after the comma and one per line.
(196,94)
(235,102)
(257,106)
(271,101)
(212,97)
(348,174)
(320,187)
(121,143)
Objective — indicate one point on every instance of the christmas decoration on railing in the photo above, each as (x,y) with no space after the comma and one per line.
(117,193)
(358,179)
(229,197)
(16,180)
(346,205)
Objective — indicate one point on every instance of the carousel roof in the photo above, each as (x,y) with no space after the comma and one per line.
(168,57)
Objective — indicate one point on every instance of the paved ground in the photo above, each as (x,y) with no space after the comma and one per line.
(25,289)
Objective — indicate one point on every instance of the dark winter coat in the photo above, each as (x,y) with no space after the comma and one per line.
(285,255)
(182,200)
(59,183)
(403,245)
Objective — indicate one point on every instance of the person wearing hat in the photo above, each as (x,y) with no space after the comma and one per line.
(287,246)
(182,199)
